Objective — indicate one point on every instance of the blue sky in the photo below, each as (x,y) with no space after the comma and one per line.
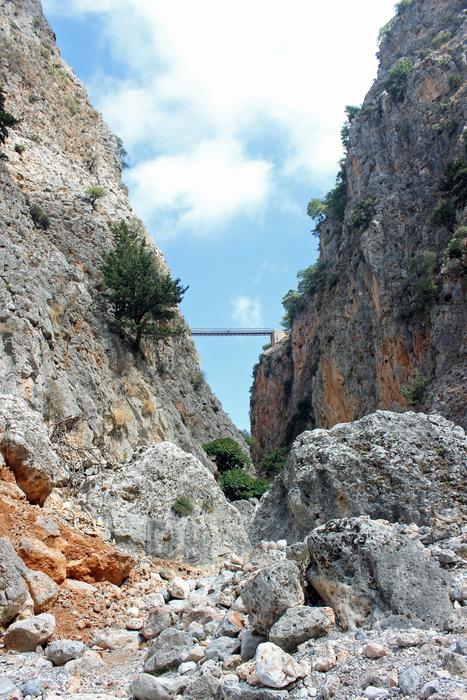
(230,113)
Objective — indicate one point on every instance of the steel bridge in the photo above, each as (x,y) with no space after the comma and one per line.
(275,335)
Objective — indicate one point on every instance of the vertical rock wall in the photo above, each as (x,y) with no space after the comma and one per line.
(360,344)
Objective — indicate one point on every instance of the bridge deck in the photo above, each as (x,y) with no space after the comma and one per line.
(232,331)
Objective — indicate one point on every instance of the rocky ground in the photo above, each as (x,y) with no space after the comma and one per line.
(257,628)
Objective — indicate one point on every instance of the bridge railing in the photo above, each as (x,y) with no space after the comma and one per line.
(274,334)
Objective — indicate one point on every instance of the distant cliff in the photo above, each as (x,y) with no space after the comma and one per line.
(380,321)
(58,348)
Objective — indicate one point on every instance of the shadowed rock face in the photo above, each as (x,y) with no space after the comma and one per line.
(401,467)
(359,340)
(370,574)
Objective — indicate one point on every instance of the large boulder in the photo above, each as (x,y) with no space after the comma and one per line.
(140,506)
(27,450)
(13,589)
(370,574)
(268,595)
(298,625)
(397,466)
(26,635)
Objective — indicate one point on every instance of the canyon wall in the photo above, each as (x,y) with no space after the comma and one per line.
(385,326)
(58,348)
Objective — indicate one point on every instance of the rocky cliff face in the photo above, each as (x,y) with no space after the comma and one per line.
(58,350)
(384,327)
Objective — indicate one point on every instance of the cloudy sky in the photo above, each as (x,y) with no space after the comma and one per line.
(230,112)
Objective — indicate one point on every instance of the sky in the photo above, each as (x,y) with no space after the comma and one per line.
(230,113)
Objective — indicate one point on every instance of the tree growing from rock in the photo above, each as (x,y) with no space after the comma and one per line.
(7,120)
(142,295)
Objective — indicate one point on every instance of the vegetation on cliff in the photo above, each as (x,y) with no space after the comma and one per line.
(143,297)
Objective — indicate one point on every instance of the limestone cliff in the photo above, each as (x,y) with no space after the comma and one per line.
(58,349)
(384,325)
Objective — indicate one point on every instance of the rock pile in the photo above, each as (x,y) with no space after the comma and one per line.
(266,627)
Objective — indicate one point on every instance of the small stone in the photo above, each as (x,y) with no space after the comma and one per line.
(159,619)
(360,636)
(250,642)
(409,680)
(429,689)
(299,624)
(115,639)
(26,635)
(196,630)
(373,692)
(170,649)
(179,588)
(44,591)
(409,639)
(455,664)
(222,647)
(8,690)
(187,667)
(326,659)
(33,688)
(372,650)
(461,646)
(196,653)
(231,625)
(275,668)
(147,687)
(63,650)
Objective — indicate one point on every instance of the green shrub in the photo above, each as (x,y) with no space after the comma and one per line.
(73,105)
(209,504)
(39,217)
(415,389)
(273,462)
(420,289)
(441,38)
(94,193)
(238,484)
(444,214)
(19,148)
(311,280)
(248,438)
(226,454)
(402,6)
(455,254)
(198,380)
(122,154)
(363,213)
(397,79)
(182,506)
(454,181)
(385,29)
(7,120)
(142,295)
(351,112)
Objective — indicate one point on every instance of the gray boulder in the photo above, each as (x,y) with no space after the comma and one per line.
(26,635)
(158,619)
(222,647)
(27,450)
(63,650)
(44,591)
(233,690)
(147,687)
(268,595)
(13,590)
(169,650)
(369,574)
(250,642)
(138,508)
(299,624)
(8,690)
(397,466)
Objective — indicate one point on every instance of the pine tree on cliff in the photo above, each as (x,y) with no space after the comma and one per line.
(7,120)
(142,295)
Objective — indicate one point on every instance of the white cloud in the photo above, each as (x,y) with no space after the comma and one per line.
(207,81)
(247,311)
(203,187)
